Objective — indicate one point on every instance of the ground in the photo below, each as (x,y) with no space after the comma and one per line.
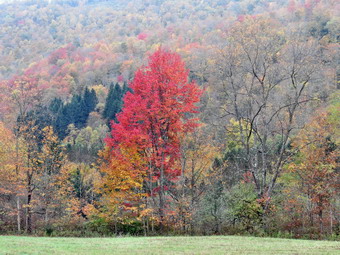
(165,245)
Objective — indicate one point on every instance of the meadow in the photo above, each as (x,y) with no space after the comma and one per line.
(164,245)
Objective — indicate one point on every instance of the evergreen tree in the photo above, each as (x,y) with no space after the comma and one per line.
(76,112)
(114,101)
(109,99)
(90,100)
(55,106)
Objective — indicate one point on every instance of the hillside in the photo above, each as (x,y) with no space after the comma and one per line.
(169,116)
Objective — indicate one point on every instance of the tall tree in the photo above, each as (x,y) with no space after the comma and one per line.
(154,116)
(264,83)
(20,95)
(31,166)
(52,159)
(197,158)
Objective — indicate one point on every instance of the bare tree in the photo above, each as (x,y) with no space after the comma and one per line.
(264,82)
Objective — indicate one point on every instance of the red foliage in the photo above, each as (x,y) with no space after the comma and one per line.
(142,36)
(291,6)
(247,177)
(58,54)
(66,66)
(240,18)
(155,115)
(120,78)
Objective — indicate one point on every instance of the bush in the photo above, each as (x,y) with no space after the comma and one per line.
(99,225)
(243,210)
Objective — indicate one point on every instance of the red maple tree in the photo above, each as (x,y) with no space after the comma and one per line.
(154,117)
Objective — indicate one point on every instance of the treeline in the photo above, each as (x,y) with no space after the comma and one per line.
(245,142)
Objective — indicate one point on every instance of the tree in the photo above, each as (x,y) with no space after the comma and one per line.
(9,177)
(21,95)
(83,145)
(314,173)
(155,114)
(52,159)
(114,101)
(41,158)
(90,100)
(264,81)
(197,158)
(75,112)
(121,187)
(30,167)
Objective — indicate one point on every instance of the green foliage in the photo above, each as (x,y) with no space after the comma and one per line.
(81,178)
(243,209)
(130,227)
(90,100)
(210,216)
(83,144)
(114,101)
(76,112)
(99,225)
(106,227)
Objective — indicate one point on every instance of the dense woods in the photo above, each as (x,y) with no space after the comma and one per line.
(170,117)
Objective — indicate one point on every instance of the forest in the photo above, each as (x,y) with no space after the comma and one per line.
(170,117)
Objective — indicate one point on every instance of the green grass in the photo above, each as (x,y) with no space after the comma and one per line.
(164,245)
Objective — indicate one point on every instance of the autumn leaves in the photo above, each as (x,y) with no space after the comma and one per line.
(144,149)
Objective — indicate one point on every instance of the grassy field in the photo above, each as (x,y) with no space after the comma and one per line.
(164,245)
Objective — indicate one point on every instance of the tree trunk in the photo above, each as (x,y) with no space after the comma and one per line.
(46,215)
(161,197)
(29,213)
(18,215)
(320,221)
(17,172)
(161,209)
